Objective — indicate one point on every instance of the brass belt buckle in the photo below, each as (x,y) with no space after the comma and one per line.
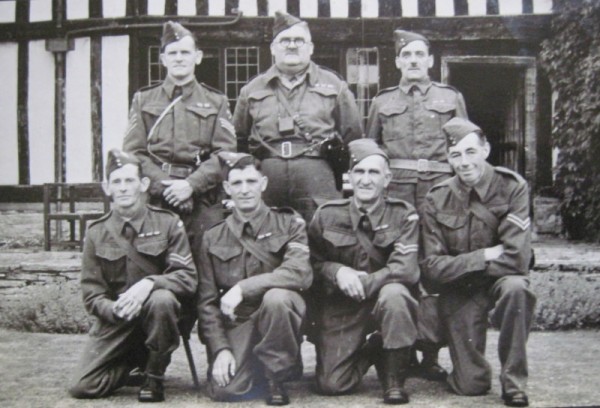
(286,149)
(422,165)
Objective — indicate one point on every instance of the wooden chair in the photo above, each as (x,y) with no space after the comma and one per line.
(62,202)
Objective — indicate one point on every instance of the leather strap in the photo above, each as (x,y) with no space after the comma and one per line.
(421,165)
(478,210)
(265,257)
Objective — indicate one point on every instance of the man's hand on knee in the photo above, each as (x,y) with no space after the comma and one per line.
(348,280)
(224,368)
(129,304)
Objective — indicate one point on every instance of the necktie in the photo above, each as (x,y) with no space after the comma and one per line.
(248,229)
(365,226)
(129,232)
(177,91)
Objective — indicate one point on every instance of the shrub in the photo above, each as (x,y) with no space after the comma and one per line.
(571,57)
(566,300)
(51,308)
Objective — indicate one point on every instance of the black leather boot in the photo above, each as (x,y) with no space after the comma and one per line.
(396,363)
(276,394)
(430,368)
(153,389)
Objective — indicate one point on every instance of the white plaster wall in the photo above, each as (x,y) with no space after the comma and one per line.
(216,8)
(115,84)
(41,113)
(186,7)
(78,114)
(9,164)
(510,7)
(40,10)
(542,6)
(156,7)
(477,7)
(77,9)
(444,8)
(113,8)
(7,11)
(339,8)
(410,8)
(248,7)
(277,5)
(309,8)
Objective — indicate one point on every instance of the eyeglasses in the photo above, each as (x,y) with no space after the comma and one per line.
(298,42)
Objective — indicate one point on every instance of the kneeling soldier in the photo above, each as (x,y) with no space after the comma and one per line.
(477,245)
(252,266)
(137,268)
(364,252)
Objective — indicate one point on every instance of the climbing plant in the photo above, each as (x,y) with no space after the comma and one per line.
(571,59)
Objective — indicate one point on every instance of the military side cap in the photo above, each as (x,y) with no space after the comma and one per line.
(117,159)
(361,148)
(228,161)
(173,32)
(283,21)
(457,128)
(402,38)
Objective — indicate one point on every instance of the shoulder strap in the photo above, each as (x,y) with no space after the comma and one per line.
(368,246)
(250,246)
(132,253)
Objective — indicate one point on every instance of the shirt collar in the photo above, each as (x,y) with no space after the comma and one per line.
(236,222)
(375,213)
(136,221)
(309,74)
(482,187)
(186,89)
(423,85)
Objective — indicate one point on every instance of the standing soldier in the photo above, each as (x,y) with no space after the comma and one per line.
(364,252)
(477,246)
(252,267)
(289,116)
(137,270)
(175,128)
(407,121)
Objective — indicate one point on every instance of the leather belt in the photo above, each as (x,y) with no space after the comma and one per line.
(289,150)
(177,170)
(421,165)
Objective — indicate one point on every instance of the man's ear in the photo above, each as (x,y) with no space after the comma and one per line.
(264,184)
(105,188)
(487,148)
(199,55)
(430,62)
(145,181)
(227,187)
(162,60)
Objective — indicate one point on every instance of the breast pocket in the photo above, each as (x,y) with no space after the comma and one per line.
(437,114)
(201,123)
(455,231)
(319,102)
(227,264)
(150,114)
(113,264)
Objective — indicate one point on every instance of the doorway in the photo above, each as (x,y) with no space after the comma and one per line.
(500,97)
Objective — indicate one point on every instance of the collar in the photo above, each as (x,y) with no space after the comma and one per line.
(186,89)
(236,222)
(482,187)
(309,74)
(375,213)
(136,221)
(423,85)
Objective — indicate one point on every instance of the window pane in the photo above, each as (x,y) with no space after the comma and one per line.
(362,68)
(241,63)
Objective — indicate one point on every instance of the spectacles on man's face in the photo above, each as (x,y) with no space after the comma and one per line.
(298,42)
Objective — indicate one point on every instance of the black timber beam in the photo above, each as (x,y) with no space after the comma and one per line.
(529,28)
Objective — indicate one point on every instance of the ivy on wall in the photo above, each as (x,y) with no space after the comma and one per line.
(571,58)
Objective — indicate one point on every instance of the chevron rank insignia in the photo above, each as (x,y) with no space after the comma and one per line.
(521,223)
(299,246)
(183,260)
(227,125)
(405,249)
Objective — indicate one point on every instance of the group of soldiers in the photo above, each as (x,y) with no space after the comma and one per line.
(430,241)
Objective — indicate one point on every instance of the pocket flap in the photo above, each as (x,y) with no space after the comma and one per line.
(325,91)
(452,221)
(386,238)
(391,110)
(441,106)
(154,110)
(340,238)
(201,111)
(152,248)
(274,243)
(258,95)
(110,253)
(225,253)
